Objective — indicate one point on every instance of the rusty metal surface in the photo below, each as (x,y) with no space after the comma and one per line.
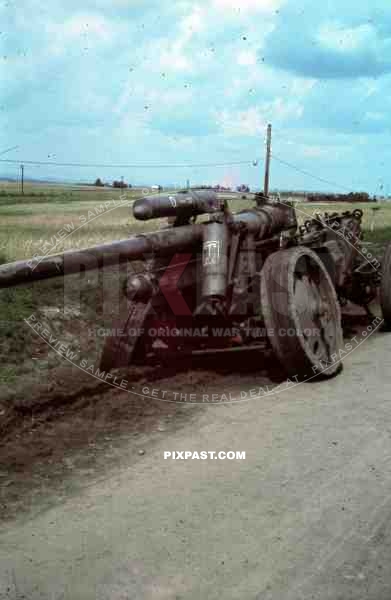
(119,349)
(73,261)
(189,202)
(297,295)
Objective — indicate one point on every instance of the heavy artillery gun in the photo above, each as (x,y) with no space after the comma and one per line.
(215,281)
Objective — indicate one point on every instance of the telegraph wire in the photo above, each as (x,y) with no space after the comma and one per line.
(9,150)
(129,166)
(308,174)
(252,162)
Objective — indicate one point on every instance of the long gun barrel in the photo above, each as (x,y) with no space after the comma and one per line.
(164,242)
(262,222)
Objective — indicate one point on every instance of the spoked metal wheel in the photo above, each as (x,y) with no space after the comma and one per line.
(385,287)
(301,313)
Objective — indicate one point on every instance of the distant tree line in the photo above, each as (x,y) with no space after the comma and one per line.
(351,197)
(120,184)
(216,188)
(221,188)
(116,184)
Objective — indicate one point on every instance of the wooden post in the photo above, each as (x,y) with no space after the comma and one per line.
(22,178)
(267,162)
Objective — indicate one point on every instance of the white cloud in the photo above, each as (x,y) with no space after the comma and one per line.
(336,36)
(301,87)
(242,123)
(82,28)
(253,121)
(174,52)
(91,24)
(175,59)
(194,22)
(247,6)
(247,58)
(283,110)
(157,100)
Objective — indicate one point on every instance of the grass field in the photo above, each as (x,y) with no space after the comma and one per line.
(30,222)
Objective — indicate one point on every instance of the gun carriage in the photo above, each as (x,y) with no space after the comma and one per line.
(255,276)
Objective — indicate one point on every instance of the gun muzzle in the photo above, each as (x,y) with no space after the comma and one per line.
(186,204)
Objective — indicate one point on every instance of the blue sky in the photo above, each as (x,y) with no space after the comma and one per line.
(132,82)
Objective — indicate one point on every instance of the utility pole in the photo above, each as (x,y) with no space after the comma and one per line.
(22,178)
(267,161)
(187,184)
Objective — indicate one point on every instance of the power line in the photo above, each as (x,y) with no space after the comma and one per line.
(253,162)
(8,150)
(303,172)
(133,166)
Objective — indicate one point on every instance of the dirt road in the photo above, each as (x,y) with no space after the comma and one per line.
(306,515)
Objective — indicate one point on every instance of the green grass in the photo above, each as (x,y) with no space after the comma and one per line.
(27,223)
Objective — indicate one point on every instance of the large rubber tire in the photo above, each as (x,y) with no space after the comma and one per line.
(302,313)
(385,287)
